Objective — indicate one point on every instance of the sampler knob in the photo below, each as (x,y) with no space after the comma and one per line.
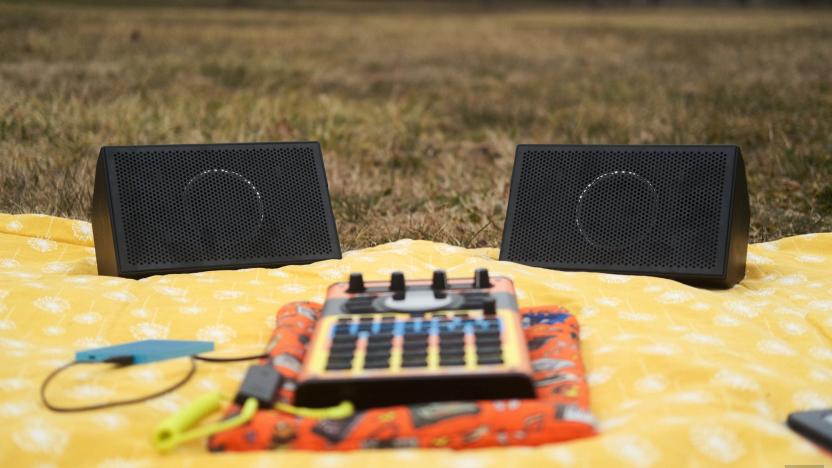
(397,281)
(481,279)
(356,283)
(440,280)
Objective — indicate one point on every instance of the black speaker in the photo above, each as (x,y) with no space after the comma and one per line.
(184,208)
(679,212)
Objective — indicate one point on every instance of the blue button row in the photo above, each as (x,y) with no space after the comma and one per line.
(417,325)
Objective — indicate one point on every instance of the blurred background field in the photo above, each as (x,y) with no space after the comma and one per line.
(418,106)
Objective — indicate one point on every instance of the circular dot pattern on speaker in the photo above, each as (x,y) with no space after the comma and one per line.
(689,198)
(216,205)
(616,210)
(207,208)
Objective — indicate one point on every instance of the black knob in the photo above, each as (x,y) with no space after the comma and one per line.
(440,280)
(489,306)
(397,281)
(356,283)
(481,279)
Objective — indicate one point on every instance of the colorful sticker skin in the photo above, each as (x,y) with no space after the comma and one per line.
(560,412)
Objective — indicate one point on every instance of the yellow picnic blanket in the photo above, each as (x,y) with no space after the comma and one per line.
(679,376)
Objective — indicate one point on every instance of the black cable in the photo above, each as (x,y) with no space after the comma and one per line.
(118,361)
(231,359)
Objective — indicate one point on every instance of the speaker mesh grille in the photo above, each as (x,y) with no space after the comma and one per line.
(222,203)
(616,208)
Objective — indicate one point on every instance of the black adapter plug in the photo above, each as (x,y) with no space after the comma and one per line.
(261,382)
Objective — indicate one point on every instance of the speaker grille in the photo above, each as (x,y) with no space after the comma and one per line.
(221,204)
(619,208)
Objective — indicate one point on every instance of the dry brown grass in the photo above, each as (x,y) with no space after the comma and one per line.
(418,113)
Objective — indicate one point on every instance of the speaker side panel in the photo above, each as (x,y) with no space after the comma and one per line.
(508,224)
(102,222)
(334,241)
(740,221)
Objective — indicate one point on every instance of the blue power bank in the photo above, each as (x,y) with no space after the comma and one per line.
(146,351)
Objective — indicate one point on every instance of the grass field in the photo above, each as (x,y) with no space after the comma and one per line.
(418,110)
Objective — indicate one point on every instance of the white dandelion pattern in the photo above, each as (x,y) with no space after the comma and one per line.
(78,279)
(588,311)
(292,288)
(14,343)
(90,342)
(217,333)
(170,291)
(735,380)
(659,349)
(775,347)
(14,226)
(726,321)
(52,304)
(9,263)
(146,374)
(227,294)
(15,409)
(651,383)
(42,245)
(822,305)
(635,316)
(149,331)
(191,310)
(823,354)
(87,318)
(744,308)
(717,442)
(754,259)
(600,375)
(38,436)
(53,330)
(15,384)
(615,279)
(810,258)
(820,375)
(120,296)
(120,462)
(608,301)
(761,292)
(141,313)
(761,407)
(674,297)
(809,399)
(243,308)
(82,231)
(560,455)
(168,404)
(89,391)
(697,397)
(701,338)
(56,267)
(792,328)
(792,280)
(110,421)
(632,449)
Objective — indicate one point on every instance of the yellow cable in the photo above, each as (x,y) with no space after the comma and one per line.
(343,410)
(173,431)
(176,429)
